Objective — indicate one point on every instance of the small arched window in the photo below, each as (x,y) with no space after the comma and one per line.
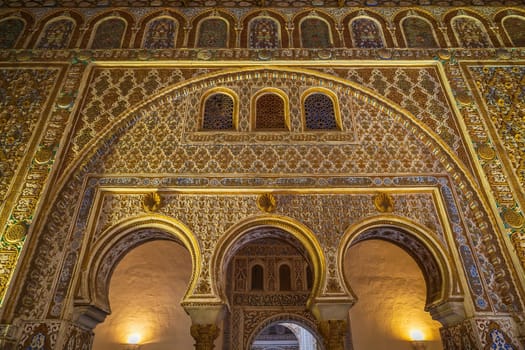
(366,33)
(264,33)
(56,35)
(108,34)
(418,32)
(10,30)
(515,28)
(271,111)
(285,278)
(470,32)
(160,33)
(257,277)
(309,278)
(315,33)
(212,33)
(218,113)
(319,112)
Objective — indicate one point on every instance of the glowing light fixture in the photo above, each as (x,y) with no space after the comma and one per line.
(417,339)
(133,341)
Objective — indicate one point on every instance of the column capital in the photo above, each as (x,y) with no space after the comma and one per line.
(204,335)
(204,313)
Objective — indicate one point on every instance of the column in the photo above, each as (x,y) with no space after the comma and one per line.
(333,333)
(204,335)
(204,319)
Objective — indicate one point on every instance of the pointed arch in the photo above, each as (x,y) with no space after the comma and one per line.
(219,110)
(59,30)
(251,18)
(213,29)
(371,21)
(514,27)
(57,34)
(264,32)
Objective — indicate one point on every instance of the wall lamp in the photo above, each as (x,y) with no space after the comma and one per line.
(417,340)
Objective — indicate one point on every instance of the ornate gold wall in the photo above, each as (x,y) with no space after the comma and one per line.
(87,133)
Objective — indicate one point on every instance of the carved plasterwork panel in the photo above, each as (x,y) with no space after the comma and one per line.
(419,90)
(112,91)
(502,89)
(162,141)
(154,139)
(25,95)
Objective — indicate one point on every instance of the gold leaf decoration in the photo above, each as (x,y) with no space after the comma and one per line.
(15,233)
(444,54)
(43,155)
(65,101)
(486,152)
(266,202)
(512,218)
(384,202)
(463,98)
(152,202)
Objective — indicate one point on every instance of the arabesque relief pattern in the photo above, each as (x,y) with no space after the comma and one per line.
(161,121)
(24,97)
(502,89)
(163,137)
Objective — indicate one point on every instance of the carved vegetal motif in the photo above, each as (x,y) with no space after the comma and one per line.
(266,202)
(37,336)
(384,202)
(152,202)
(204,335)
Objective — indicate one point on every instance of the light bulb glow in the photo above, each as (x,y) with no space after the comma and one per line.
(134,338)
(416,334)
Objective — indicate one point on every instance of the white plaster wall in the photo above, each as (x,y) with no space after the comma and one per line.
(391,295)
(145,293)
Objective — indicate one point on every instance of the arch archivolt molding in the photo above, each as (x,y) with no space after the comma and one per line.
(304,321)
(433,257)
(454,180)
(118,240)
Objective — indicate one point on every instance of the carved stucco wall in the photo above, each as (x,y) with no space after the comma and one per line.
(453,100)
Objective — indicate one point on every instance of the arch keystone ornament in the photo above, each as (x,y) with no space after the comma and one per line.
(151,202)
(384,202)
(267,202)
